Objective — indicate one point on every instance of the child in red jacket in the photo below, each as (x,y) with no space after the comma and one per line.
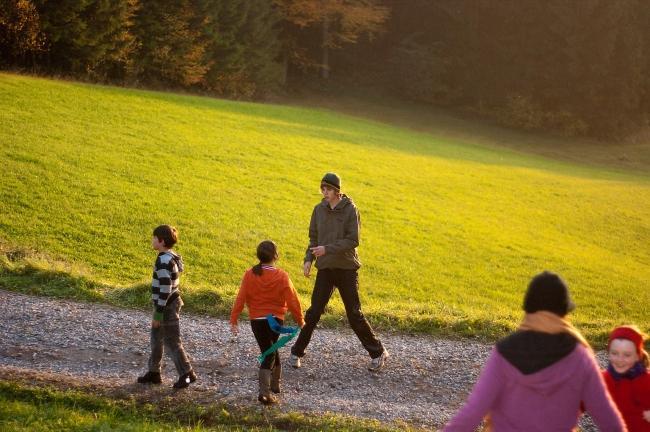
(627,377)
(266,290)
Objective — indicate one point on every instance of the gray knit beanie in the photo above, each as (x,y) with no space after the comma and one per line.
(331,179)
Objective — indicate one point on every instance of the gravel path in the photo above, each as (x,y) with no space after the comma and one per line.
(424,382)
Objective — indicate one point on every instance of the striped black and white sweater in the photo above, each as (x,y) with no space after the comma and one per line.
(165,282)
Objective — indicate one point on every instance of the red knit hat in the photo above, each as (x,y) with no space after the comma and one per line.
(630,333)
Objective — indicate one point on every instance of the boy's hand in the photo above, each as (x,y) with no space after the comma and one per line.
(155,324)
(306,268)
(234,329)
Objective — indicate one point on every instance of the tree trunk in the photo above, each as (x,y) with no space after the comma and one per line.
(285,67)
(325,65)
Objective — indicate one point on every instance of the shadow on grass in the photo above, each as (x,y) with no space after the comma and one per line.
(27,273)
(19,273)
(24,272)
(30,279)
(33,280)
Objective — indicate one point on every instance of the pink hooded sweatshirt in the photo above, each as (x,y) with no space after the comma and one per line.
(546,401)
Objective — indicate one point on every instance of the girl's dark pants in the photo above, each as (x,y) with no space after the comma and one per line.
(347,281)
(266,337)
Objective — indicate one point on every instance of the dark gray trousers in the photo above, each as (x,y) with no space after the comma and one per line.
(168,335)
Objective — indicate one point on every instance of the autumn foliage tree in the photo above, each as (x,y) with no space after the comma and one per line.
(20,32)
(330,23)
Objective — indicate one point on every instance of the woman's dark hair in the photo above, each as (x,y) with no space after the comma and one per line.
(166,234)
(267,251)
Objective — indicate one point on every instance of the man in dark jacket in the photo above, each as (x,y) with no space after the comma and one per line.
(333,241)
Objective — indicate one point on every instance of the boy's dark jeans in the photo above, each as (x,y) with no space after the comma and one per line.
(347,281)
(266,337)
(169,336)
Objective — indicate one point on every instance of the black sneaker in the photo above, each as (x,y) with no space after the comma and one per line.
(185,380)
(150,378)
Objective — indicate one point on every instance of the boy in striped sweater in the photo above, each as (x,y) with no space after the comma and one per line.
(165,328)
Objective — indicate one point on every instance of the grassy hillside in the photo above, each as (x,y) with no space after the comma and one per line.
(451,231)
(35,409)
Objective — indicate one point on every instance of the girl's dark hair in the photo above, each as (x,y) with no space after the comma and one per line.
(267,251)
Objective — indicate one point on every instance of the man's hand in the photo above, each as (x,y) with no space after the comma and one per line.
(234,329)
(646,415)
(306,268)
(318,251)
(155,324)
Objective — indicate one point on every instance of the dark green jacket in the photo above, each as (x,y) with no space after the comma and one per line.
(338,230)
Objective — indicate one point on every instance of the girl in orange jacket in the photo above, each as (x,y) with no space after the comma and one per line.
(266,289)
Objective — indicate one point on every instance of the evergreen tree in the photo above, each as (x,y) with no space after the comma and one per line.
(171,45)
(112,44)
(243,47)
(260,36)
(86,36)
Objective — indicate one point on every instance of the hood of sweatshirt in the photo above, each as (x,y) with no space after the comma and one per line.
(179,260)
(269,276)
(340,207)
(537,358)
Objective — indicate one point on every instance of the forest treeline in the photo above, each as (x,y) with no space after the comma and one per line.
(575,67)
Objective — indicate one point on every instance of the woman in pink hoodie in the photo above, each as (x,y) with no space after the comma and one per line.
(536,378)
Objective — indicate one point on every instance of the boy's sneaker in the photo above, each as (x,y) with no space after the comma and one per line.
(185,380)
(378,362)
(294,361)
(150,378)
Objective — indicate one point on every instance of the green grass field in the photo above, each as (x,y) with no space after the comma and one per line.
(41,409)
(451,231)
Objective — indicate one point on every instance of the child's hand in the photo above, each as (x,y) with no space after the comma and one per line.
(234,329)
(155,324)
(646,415)
(306,268)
